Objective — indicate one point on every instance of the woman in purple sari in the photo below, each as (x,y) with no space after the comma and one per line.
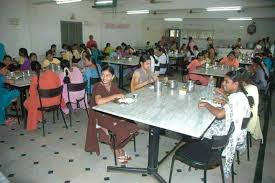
(24,60)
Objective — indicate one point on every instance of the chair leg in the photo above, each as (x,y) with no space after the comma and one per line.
(63,117)
(135,144)
(171,169)
(250,139)
(53,116)
(221,167)
(238,157)
(114,146)
(43,127)
(204,175)
(57,114)
(70,113)
(86,108)
(232,172)
(247,148)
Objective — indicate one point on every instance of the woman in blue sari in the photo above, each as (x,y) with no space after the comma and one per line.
(92,70)
(6,95)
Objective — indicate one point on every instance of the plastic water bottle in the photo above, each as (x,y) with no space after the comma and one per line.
(211,87)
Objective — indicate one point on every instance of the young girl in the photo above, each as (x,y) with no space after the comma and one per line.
(105,92)
(193,66)
(24,59)
(235,108)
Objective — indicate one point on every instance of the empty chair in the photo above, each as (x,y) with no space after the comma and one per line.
(46,94)
(204,154)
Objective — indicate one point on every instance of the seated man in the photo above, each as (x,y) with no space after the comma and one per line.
(6,95)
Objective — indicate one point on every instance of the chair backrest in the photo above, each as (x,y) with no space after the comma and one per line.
(219,142)
(92,82)
(75,87)
(50,93)
(246,121)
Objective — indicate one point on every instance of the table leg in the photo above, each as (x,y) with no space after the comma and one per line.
(120,81)
(153,150)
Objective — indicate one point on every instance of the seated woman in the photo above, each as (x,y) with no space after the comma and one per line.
(67,54)
(163,61)
(154,62)
(143,75)
(267,60)
(6,95)
(235,107)
(108,49)
(230,60)
(33,57)
(46,79)
(11,65)
(24,60)
(212,52)
(105,92)
(72,75)
(76,54)
(206,57)
(92,70)
(260,75)
(50,58)
(193,66)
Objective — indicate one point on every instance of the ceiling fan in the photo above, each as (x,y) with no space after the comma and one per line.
(192,11)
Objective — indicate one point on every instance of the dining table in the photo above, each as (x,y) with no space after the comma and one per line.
(168,109)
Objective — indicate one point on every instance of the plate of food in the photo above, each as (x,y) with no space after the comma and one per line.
(126,100)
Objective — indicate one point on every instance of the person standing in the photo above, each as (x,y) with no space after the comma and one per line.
(91,43)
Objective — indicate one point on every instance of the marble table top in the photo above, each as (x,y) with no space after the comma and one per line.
(218,71)
(124,61)
(168,110)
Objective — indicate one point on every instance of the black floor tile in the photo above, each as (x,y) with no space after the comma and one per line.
(44,145)
(136,155)
(32,139)
(104,158)
(71,160)
(179,170)
(36,162)
(74,144)
(75,131)
(23,155)
(60,138)
(87,169)
(144,175)
(49,132)
(67,181)
(106,178)
(12,129)
(2,141)
(56,152)
(12,147)
(11,175)
(22,134)
(50,172)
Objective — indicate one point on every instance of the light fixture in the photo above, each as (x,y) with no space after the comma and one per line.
(103,2)
(239,18)
(173,19)
(229,8)
(66,1)
(132,12)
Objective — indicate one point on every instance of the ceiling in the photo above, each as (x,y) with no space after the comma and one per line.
(189,9)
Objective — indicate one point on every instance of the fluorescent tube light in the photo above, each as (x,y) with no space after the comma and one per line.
(173,19)
(232,8)
(240,18)
(137,12)
(66,1)
(103,2)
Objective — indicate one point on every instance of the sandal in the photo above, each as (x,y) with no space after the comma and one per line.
(122,160)
(9,121)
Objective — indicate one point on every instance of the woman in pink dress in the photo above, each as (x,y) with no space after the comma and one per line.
(72,75)
(230,60)
(193,66)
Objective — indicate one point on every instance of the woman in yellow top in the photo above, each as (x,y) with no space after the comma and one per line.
(108,49)
(67,54)
(76,53)
(51,59)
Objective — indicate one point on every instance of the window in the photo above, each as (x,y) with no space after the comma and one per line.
(71,32)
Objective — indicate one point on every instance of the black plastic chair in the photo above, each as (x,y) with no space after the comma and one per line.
(46,94)
(92,82)
(73,87)
(248,139)
(204,154)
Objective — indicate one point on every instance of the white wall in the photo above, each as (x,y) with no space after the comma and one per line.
(39,25)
